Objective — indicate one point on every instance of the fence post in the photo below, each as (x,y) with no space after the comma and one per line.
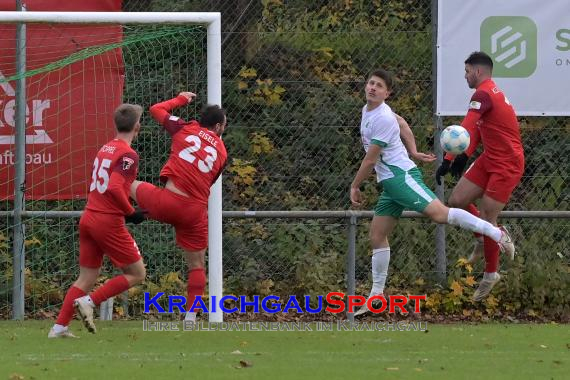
(351,261)
(440,258)
(18,241)
(106,310)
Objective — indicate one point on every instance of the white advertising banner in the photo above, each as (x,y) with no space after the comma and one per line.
(529,41)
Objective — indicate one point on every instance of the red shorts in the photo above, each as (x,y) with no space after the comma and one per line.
(189,218)
(105,234)
(499,179)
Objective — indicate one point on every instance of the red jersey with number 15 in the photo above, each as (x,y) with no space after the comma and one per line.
(114,170)
(197,155)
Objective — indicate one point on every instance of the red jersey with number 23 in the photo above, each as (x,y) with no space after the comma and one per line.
(114,170)
(197,155)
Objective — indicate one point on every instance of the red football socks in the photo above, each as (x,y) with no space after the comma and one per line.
(491,255)
(111,288)
(66,313)
(196,285)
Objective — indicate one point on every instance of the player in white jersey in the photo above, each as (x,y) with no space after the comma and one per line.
(402,183)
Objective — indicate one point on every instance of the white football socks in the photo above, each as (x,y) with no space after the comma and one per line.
(380,263)
(464,219)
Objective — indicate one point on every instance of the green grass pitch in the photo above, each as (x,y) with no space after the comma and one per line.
(122,350)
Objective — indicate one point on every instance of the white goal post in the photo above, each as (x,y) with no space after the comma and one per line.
(214,96)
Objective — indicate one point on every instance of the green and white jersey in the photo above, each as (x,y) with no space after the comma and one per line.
(380,127)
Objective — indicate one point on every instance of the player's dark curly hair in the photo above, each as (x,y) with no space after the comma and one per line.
(479,58)
(211,115)
(385,75)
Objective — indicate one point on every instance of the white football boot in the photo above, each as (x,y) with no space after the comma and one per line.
(85,311)
(487,283)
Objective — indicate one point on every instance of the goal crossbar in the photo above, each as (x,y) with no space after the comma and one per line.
(112,17)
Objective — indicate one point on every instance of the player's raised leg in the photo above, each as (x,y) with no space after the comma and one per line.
(440,213)
(410,190)
(478,246)
(133,190)
(463,196)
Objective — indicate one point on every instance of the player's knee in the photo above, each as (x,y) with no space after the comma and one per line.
(196,264)
(195,259)
(133,189)
(437,212)
(454,201)
(440,216)
(138,275)
(378,240)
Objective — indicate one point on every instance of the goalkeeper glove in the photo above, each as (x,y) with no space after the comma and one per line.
(136,217)
(442,170)
(458,165)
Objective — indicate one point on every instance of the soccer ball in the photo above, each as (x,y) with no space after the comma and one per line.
(454,139)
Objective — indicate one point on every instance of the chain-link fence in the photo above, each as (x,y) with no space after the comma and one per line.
(293,78)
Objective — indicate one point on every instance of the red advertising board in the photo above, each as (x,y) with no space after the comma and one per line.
(69,105)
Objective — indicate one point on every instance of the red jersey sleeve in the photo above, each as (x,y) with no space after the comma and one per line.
(127,166)
(161,113)
(122,176)
(470,123)
(480,104)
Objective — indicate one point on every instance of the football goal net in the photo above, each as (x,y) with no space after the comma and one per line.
(61,76)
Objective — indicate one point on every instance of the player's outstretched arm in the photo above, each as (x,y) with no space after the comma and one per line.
(407,137)
(161,111)
(364,171)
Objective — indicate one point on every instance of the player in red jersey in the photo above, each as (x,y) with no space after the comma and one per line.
(102,229)
(197,158)
(491,120)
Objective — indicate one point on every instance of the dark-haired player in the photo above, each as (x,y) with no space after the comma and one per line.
(197,158)
(491,120)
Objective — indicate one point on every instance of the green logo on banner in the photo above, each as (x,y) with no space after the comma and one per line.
(512,43)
